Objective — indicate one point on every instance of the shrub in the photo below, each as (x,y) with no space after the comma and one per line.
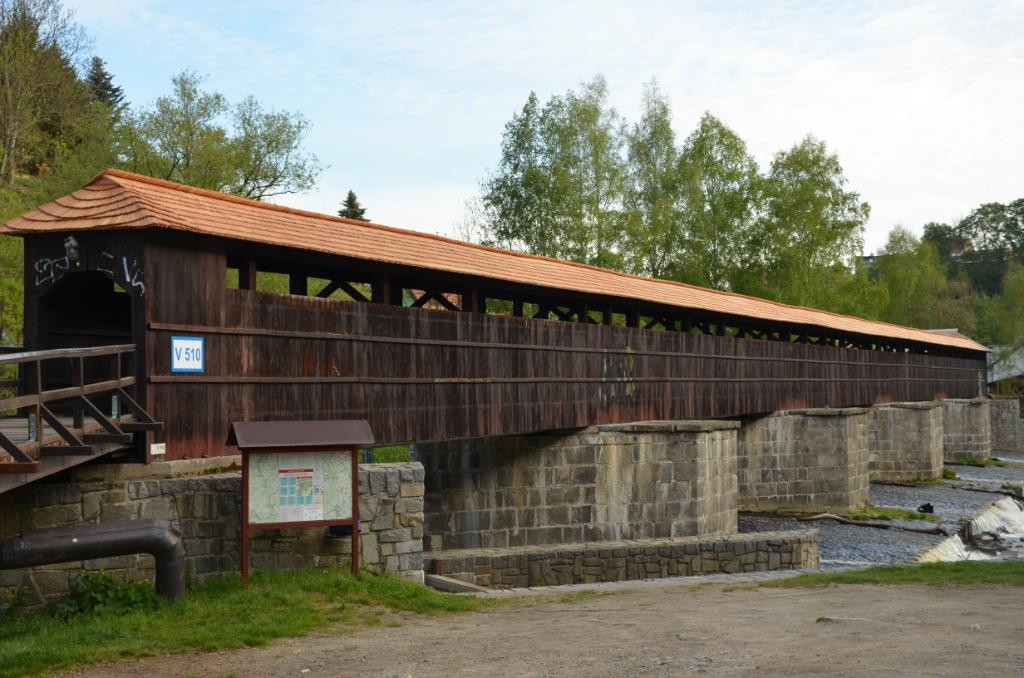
(101,592)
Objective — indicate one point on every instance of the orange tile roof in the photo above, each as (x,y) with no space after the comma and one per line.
(122,200)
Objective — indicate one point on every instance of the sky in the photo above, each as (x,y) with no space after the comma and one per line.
(922,101)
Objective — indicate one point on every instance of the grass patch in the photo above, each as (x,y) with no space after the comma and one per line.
(391,454)
(974,461)
(219,615)
(963,572)
(886,513)
(949,474)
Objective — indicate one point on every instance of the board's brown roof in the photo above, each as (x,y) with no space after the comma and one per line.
(117,199)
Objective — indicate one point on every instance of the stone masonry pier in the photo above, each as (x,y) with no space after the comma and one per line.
(967,429)
(630,481)
(807,460)
(626,560)
(1007,425)
(905,441)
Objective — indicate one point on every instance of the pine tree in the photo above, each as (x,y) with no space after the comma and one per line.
(101,84)
(351,209)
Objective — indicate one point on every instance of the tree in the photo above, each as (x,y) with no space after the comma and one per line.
(992,234)
(182,137)
(514,207)
(994,227)
(351,209)
(585,141)
(38,84)
(809,224)
(652,193)
(944,239)
(559,184)
(919,292)
(101,85)
(719,192)
(1003,315)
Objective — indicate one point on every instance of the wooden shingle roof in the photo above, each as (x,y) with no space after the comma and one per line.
(122,200)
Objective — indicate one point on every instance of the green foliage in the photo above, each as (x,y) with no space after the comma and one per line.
(196,137)
(936,574)
(977,461)
(575,182)
(99,592)
(720,197)
(559,186)
(391,454)
(994,227)
(949,474)
(1002,316)
(220,615)
(919,291)
(810,228)
(351,209)
(40,94)
(652,199)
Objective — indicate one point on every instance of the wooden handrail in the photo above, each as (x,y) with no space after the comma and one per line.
(51,354)
(35,404)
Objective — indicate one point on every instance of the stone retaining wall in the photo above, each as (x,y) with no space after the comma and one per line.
(1007,425)
(628,481)
(808,460)
(206,510)
(967,429)
(905,442)
(626,560)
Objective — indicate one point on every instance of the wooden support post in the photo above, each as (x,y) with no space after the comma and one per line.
(474,301)
(77,379)
(298,283)
(606,315)
(380,289)
(247,274)
(632,317)
(385,290)
(517,308)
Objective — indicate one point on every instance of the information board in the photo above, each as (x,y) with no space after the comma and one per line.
(299,487)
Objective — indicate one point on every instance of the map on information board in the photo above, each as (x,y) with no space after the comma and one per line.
(300,486)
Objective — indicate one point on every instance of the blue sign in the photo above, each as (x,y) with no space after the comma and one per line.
(188,354)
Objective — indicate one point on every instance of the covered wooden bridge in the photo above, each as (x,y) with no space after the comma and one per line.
(428,338)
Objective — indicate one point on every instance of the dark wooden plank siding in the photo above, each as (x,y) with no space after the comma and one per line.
(420,375)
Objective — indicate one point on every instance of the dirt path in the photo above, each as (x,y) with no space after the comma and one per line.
(664,631)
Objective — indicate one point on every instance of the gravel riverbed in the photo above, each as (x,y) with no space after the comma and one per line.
(851,544)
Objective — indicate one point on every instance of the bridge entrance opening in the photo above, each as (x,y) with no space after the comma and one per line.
(85,309)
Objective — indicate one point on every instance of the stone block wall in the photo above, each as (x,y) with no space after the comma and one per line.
(967,429)
(626,560)
(629,481)
(905,442)
(206,510)
(808,460)
(1007,425)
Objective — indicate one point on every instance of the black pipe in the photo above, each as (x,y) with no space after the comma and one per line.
(84,542)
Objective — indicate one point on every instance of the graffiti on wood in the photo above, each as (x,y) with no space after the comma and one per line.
(124,270)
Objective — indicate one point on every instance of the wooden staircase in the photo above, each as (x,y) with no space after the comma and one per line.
(53,426)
